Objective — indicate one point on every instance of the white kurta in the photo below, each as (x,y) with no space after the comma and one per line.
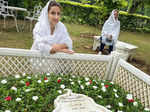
(44,42)
(111,27)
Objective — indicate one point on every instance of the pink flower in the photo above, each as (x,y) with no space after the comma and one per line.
(58,80)
(27,83)
(8,98)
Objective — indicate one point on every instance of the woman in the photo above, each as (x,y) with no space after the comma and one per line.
(49,34)
(110,32)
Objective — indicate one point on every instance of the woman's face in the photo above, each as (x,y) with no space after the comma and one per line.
(116,14)
(54,15)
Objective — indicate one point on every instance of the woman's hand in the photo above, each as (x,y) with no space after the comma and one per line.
(67,51)
(60,48)
(56,47)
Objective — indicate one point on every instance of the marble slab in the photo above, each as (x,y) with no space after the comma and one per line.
(72,102)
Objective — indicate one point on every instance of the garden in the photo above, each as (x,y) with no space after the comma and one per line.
(25,93)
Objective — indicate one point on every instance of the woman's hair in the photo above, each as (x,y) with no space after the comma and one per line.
(53,3)
(116,10)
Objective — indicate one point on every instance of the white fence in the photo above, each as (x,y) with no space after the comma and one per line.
(18,61)
(134,81)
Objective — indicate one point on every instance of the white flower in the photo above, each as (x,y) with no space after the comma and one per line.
(87,83)
(73,76)
(62,86)
(103,89)
(59,91)
(112,82)
(22,82)
(39,81)
(146,109)
(116,95)
(4,81)
(135,103)
(24,74)
(100,96)
(119,111)
(86,78)
(18,99)
(129,96)
(35,98)
(115,90)
(70,79)
(61,74)
(28,77)
(45,80)
(17,76)
(102,84)
(27,90)
(36,76)
(95,87)
(82,87)
(120,104)
(59,78)
(72,83)
(48,74)
(79,81)
(14,88)
(7,111)
(108,106)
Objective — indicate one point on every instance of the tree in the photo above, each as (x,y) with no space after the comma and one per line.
(135,5)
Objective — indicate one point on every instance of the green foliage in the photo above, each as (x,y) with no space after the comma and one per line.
(141,6)
(134,22)
(94,15)
(111,4)
(16,3)
(74,12)
(37,93)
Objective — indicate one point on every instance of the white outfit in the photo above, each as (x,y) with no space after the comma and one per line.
(111,27)
(43,40)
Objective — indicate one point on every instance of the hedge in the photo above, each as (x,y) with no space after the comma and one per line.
(93,15)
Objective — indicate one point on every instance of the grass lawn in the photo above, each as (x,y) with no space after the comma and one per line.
(12,39)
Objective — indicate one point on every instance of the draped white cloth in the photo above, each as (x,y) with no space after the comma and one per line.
(43,40)
(111,27)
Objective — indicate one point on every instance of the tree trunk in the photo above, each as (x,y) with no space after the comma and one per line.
(133,5)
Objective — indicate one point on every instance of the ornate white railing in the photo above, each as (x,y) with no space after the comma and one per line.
(134,81)
(18,61)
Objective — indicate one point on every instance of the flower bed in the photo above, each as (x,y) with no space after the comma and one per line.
(37,93)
